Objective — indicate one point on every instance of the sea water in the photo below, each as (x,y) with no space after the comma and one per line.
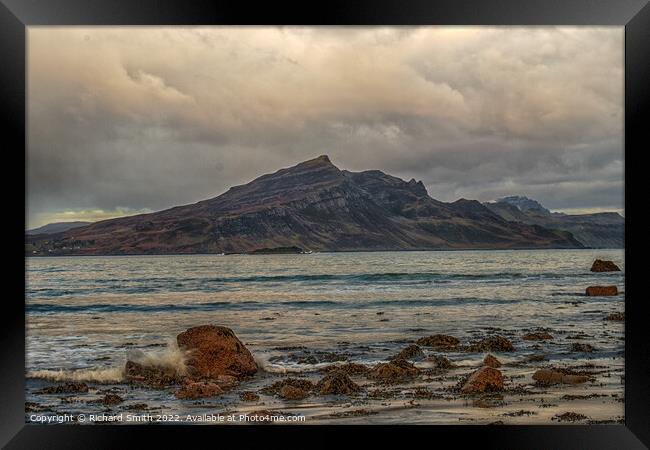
(297,313)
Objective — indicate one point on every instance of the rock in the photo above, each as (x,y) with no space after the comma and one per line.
(537,336)
(578,347)
(601,291)
(276,387)
(214,351)
(396,371)
(491,361)
(485,379)
(289,392)
(491,344)
(412,352)
(198,389)
(153,376)
(66,388)
(604,266)
(440,361)
(336,383)
(439,341)
(348,369)
(112,399)
(548,377)
(616,316)
(248,396)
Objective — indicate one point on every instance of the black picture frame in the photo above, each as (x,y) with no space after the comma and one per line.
(634,15)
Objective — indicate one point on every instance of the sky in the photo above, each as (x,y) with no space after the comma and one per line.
(125,120)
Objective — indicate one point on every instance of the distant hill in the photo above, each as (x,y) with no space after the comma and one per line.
(598,230)
(313,206)
(57,227)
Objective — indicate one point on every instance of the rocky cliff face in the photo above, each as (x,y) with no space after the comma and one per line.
(315,206)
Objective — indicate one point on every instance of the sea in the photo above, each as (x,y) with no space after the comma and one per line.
(86,316)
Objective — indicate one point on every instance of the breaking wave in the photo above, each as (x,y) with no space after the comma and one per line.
(170,357)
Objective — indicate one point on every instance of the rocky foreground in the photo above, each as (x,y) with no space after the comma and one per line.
(221,375)
(483,380)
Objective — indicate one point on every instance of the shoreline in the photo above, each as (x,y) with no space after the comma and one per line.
(328,252)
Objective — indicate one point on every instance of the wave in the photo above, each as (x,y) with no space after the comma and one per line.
(264,363)
(107,375)
(141,285)
(170,357)
(96,308)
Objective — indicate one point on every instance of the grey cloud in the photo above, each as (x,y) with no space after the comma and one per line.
(148,118)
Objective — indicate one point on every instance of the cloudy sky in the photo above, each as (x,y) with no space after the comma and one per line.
(124,120)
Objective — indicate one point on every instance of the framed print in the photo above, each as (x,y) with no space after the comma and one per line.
(408,218)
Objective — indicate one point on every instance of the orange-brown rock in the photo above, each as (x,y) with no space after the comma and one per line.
(485,379)
(213,351)
(396,371)
(439,341)
(547,377)
(601,291)
(198,389)
(336,383)
(289,392)
(604,266)
(491,361)
(412,352)
(537,336)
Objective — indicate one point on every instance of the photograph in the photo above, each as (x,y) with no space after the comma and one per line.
(325,225)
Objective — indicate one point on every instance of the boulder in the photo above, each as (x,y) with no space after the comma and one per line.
(548,377)
(289,392)
(198,389)
(336,383)
(412,352)
(491,344)
(604,266)
(491,361)
(601,291)
(485,379)
(396,371)
(213,351)
(439,341)
(537,336)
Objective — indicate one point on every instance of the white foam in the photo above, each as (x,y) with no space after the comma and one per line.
(109,375)
(269,367)
(170,357)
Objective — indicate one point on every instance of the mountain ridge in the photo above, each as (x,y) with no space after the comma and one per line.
(312,205)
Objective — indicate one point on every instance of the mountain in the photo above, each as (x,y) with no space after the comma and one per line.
(56,227)
(314,206)
(598,230)
(525,204)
